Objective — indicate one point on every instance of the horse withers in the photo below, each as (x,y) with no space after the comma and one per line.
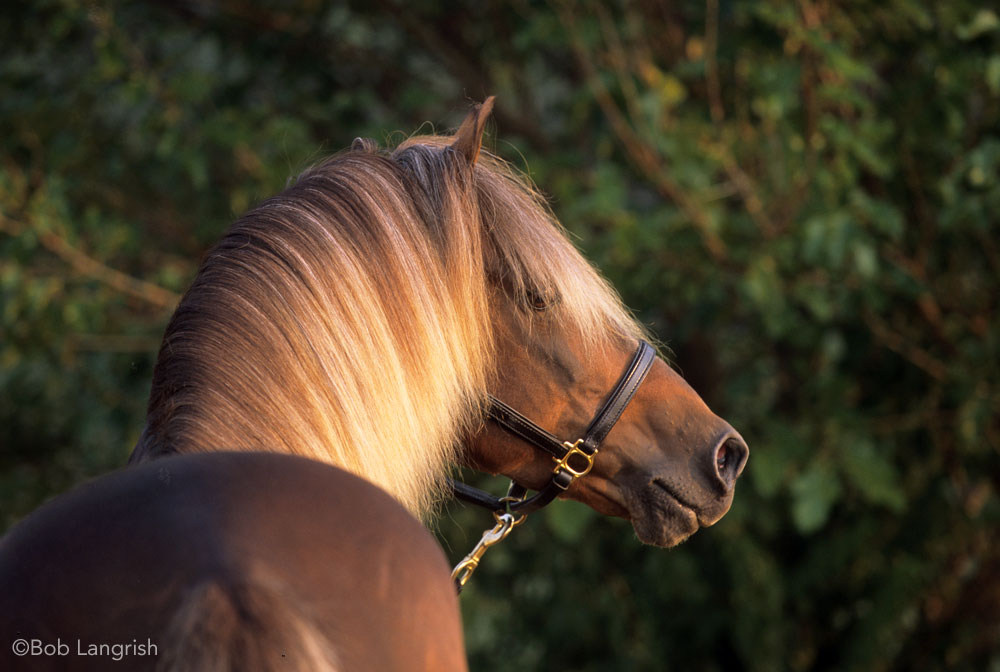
(226,561)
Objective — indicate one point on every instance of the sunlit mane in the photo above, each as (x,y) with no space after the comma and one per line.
(350,318)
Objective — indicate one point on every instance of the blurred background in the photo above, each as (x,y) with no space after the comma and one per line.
(800,198)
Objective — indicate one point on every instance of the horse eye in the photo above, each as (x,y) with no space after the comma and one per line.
(537,300)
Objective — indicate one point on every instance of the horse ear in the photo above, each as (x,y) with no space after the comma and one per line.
(469,136)
(364,145)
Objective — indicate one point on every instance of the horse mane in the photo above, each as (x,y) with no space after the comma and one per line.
(350,317)
(253,624)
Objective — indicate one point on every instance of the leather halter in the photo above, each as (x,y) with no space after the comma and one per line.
(574,459)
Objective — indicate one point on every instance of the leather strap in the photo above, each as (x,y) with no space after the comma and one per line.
(525,429)
(472,495)
(620,396)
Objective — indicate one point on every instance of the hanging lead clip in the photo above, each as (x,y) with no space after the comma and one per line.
(463,570)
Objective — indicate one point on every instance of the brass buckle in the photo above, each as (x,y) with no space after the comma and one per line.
(574,449)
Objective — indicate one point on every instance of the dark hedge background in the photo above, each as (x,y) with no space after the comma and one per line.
(799,197)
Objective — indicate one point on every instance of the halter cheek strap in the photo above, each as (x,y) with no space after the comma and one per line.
(574,459)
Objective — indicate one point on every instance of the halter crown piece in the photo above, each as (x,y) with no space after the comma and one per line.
(574,459)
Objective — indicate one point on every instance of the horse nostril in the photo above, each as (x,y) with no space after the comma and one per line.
(722,458)
(730,458)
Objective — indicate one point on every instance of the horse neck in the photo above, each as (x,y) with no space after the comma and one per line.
(291,341)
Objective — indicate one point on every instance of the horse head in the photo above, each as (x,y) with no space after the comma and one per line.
(669,464)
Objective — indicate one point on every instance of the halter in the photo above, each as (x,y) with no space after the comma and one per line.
(574,459)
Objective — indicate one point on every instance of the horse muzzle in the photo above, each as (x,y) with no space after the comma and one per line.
(669,504)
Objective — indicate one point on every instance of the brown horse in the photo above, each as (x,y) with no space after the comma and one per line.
(226,561)
(364,316)
(378,312)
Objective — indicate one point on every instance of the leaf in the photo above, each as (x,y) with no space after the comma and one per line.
(672,91)
(865,259)
(814,493)
(985,21)
(992,74)
(872,474)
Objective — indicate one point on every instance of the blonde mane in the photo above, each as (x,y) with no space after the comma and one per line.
(350,318)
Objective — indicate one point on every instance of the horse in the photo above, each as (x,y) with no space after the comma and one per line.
(227,561)
(364,317)
(397,312)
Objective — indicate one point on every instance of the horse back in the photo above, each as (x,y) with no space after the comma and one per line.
(227,561)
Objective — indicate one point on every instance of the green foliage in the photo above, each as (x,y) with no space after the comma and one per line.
(799,198)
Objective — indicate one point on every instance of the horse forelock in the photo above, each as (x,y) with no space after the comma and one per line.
(349,319)
(526,248)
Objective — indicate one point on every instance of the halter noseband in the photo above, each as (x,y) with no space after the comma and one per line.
(574,459)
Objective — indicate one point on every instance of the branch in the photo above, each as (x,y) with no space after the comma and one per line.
(459,59)
(910,352)
(87,266)
(620,61)
(711,64)
(744,185)
(641,154)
